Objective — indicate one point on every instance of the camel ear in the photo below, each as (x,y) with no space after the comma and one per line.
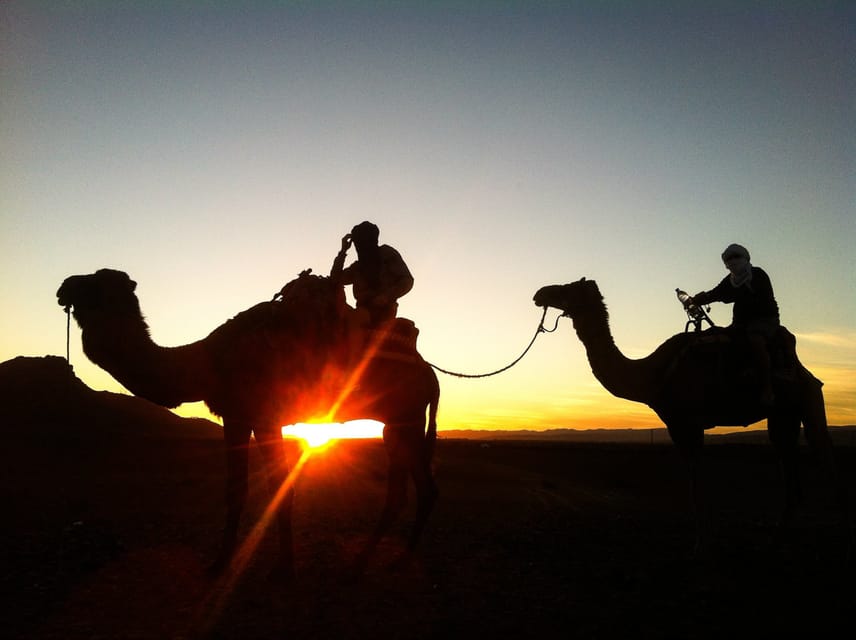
(583,279)
(132,284)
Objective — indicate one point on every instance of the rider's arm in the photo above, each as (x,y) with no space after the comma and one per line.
(720,293)
(702,297)
(400,280)
(338,271)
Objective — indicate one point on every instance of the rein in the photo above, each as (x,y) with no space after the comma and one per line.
(68,334)
(541,329)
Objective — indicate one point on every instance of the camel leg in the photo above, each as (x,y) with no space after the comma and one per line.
(415,455)
(784,432)
(237,438)
(396,498)
(814,422)
(282,493)
(689,439)
(396,494)
(426,491)
(817,435)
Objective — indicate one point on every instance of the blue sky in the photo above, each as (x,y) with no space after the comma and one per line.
(214,150)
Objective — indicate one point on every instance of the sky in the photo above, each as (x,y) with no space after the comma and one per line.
(213,150)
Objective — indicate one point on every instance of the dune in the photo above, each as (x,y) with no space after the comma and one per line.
(46,392)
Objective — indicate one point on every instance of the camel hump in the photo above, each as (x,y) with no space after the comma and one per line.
(404,332)
(397,335)
(783,353)
(405,329)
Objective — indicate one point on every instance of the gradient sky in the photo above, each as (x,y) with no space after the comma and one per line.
(214,150)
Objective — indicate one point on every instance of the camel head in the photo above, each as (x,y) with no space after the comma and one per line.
(106,290)
(571,298)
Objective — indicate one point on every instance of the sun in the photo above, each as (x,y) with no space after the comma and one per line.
(319,435)
(317,438)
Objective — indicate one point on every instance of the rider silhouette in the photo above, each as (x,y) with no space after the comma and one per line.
(755,315)
(379,275)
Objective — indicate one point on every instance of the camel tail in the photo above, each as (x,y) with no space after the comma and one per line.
(814,416)
(433,406)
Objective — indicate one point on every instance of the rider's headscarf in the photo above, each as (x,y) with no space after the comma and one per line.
(736,259)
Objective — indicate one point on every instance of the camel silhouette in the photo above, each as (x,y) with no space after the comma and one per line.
(696,381)
(280,362)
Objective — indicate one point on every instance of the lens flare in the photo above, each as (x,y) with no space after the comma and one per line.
(317,435)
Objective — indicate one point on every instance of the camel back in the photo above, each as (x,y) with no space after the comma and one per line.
(319,302)
(312,318)
(726,351)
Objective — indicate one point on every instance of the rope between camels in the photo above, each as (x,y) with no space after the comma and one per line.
(539,330)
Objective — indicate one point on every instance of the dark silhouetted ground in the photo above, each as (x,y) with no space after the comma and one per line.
(113,507)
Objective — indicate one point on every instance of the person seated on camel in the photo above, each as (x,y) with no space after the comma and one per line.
(755,315)
(379,275)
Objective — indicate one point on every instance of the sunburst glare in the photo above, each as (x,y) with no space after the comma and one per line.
(317,435)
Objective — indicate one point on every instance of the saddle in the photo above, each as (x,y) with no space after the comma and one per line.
(332,350)
(726,351)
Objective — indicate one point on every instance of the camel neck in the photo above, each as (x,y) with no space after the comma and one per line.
(619,375)
(167,376)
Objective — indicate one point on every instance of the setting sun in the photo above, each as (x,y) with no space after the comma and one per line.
(317,435)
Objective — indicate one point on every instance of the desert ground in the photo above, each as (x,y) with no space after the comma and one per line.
(114,508)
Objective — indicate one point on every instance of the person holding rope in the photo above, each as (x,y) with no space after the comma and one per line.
(379,275)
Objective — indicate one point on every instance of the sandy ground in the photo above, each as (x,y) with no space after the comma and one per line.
(109,538)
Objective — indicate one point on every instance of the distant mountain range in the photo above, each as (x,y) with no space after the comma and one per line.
(45,392)
(841,436)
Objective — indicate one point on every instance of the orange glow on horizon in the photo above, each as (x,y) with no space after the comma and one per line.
(317,435)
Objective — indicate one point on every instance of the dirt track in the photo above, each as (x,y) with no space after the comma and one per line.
(110,539)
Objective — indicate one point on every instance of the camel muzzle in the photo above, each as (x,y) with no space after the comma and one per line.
(63,300)
(541,296)
(65,293)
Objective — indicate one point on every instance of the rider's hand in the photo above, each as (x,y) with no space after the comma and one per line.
(346,242)
(700,298)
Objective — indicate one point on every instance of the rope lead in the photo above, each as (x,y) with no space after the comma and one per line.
(540,329)
(68,335)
